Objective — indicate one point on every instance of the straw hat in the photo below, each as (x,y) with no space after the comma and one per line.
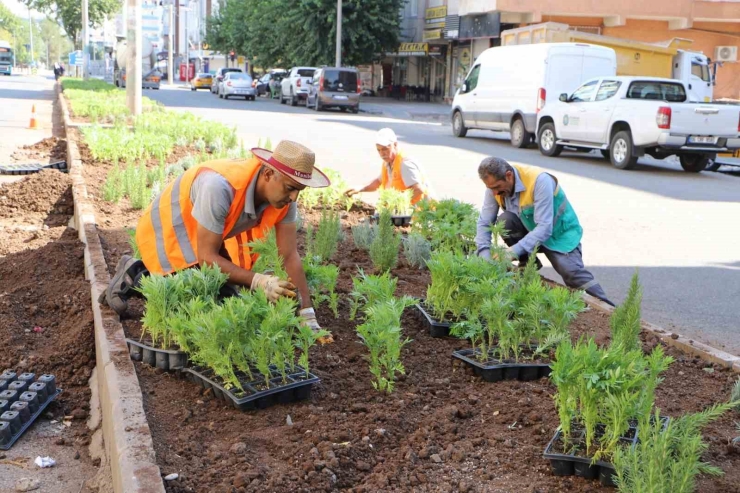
(295,161)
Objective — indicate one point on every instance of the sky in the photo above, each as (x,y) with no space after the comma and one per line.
(21,10)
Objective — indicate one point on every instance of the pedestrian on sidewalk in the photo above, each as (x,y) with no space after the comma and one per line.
(536,214)
(397,171)
(210,214)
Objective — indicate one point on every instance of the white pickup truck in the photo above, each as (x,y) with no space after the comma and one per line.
(295,85)
(628,117)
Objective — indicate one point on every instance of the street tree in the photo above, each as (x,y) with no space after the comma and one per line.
(303,32)
(69,12)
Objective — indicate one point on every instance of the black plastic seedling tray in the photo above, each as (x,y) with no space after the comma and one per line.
(30,168)
(20,409)
(495,371)
(165,359)
(298,388)
(399,221)
(436,328)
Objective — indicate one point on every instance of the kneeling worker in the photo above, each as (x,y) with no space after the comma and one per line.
(397,172)
(536,214)
(213,211)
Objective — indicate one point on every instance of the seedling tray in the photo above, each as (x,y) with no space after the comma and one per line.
(436,328)
(30,168)
(20,409)
(494,370)
(165,359)
(297,388)
(571,464)
(399,221)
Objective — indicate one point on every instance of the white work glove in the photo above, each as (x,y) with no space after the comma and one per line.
(309,320)
(273,287)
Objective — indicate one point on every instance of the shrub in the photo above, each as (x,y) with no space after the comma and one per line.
(323,245)
(363,234)
(626,320)
(384,248)
(417,250)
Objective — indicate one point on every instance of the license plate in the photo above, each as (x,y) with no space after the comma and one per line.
(702,139)
(340,97)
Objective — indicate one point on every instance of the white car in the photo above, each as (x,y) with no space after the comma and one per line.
(507,86)
(236,84)
(628,117)
(294,86)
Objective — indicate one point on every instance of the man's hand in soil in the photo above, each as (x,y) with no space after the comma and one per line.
(273,287)
(351,192)
(309,320)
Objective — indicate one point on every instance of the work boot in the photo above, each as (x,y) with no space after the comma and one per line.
(128,272)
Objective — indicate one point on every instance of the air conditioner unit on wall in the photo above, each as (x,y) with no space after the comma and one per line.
(725,54)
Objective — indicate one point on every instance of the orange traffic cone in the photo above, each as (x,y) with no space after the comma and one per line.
(32,123)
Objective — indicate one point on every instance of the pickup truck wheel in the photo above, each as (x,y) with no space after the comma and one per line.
(282,99)
(694,163)
(622,153)
(519,136)
(547,141)
(458,125)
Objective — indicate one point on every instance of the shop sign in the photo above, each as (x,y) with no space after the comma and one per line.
(411,49)
(437,50)
(430,34)
(435,17)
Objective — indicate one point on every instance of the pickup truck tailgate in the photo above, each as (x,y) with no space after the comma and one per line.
(704,120)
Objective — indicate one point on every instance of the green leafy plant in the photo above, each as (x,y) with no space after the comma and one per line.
(328,197)
(384,248)
(626,320)
(363,234)
(369,290)
(322,282)
(667,459)
(113,187)
(305,340)
(269,259)
(417,249)
(398,203)
(323,245)
(448,224)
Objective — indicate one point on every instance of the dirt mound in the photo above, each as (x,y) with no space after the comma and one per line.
(48,150)
(48,192)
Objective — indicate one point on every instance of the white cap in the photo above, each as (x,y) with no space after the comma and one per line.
(385,137)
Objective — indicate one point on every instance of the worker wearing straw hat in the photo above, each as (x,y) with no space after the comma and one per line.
(211,213)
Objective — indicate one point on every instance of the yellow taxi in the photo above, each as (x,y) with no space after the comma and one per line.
(201,81)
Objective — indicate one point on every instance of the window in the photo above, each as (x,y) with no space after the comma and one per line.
(340,80)
(659,91)
(585,93)
(607,89)
(472,81)
(305,72)
(701,71)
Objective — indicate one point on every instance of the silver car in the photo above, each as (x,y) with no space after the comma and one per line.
(236,84)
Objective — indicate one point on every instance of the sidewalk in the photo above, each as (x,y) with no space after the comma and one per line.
(406,110)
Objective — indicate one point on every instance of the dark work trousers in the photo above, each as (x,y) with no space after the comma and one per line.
(568,265)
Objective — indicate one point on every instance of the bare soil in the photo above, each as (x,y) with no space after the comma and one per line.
(441,430)
(45,317)
(49,150)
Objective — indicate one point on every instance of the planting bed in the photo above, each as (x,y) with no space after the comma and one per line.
(45,317)
(443,428)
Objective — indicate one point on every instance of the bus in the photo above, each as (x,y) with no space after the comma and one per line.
(6,58)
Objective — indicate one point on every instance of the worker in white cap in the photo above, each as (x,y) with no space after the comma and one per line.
(398,171)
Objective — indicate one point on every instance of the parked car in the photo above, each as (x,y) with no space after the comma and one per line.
(628,117)
(236,84)
(201,81)
(507,86)
(294,87)
(220,77)
(333,87)
(263,83)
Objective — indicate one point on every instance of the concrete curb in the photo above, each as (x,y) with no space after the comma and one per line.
(688,346)
(128,440)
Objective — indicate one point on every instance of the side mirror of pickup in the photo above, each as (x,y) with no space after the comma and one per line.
(563,98)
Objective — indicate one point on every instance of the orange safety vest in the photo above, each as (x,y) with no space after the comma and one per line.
(396,179)
(166,233)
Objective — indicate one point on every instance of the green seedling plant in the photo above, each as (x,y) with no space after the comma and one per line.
(305,339)
(667,458)
(448,224)
(417,250)
(269,259)
(322,244)
(626,320)
(363,234)
(278,327)
(398,203)
(385,246)
(322,282)
(164,296)
(369,290)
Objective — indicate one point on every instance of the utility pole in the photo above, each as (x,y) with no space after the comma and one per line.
(187,44)
(170,66)
(85,41)
(133,56)
(30,28)
(339,33)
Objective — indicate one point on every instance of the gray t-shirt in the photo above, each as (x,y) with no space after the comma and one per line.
(212,195)
(410,172)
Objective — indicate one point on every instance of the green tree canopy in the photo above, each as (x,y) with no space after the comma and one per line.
(69,12)
(303,32)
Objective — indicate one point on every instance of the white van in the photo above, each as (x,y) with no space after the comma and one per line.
(508,85)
